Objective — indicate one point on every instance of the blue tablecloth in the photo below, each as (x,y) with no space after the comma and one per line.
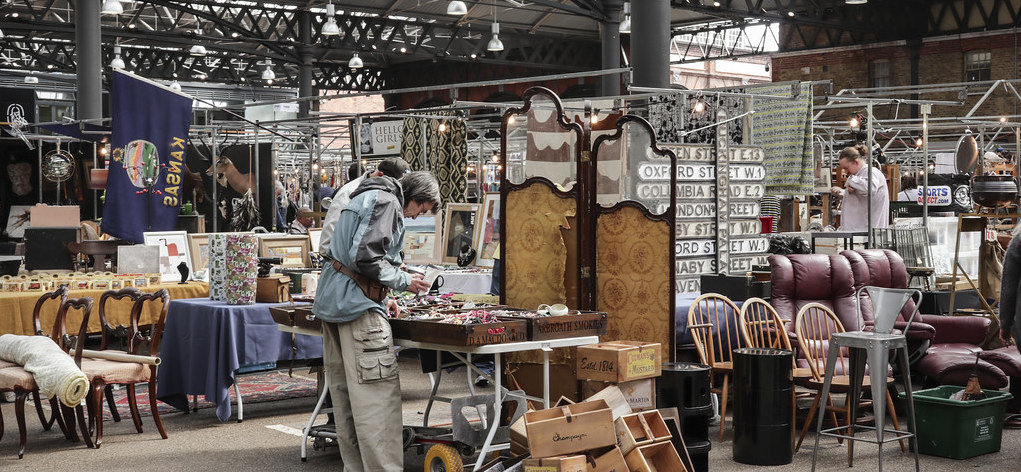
(204,342)
(682,303)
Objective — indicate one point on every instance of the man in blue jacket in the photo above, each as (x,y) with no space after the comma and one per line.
(351,300)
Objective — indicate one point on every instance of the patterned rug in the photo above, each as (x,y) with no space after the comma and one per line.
(256,388)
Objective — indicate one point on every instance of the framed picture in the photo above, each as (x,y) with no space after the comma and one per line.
(173,251)
(198,245)
(422,237)
(17,220)
(488,234)
(315,235)
(293,249)
(458,229)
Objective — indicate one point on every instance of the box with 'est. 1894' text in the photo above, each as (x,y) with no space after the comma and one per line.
(619,361)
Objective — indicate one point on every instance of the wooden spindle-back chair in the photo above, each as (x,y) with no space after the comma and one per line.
(714,326)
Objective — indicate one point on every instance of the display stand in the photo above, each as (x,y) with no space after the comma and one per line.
(970,223)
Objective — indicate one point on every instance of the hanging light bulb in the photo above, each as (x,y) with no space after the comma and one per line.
(267,73)
(355,62)
(594,118)
(330,28)
(495,44)
(117,62)
(919,142)
(112,7)
(625,25)
(1,34)
(457,8)
(510,120)
(197,50)
(699,106)
(443,127)
(175,86)
(855,123)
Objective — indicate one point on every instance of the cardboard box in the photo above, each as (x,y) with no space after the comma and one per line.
(569,429)
(609,461)
(656,457)
(639,394)
(48,216)
(639,429)
(556,464)
(619,361)
(613,397)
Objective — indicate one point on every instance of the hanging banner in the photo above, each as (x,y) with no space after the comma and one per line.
(150,135)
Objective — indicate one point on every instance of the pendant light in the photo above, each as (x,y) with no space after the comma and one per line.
(117,62)
(856,2)
(267,73)
(330,28)
(31,79)
(457,8)
(112,7)
(495,44)
(355,62)
(625,24)
(175,86)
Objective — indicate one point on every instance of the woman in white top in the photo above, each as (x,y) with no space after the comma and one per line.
(910,192)
(856,192)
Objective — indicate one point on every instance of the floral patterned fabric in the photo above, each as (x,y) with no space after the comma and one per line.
(242,268)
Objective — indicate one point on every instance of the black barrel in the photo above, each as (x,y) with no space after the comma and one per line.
(685,386)
(699,453)
(763,386)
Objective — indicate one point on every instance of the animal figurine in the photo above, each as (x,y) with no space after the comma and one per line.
(183,269)
(229,175)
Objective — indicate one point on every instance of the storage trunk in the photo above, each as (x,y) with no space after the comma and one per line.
(426,331)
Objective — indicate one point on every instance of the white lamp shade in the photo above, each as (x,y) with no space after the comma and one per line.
(267,73)
(856,2)
(625,26)
(457,8)
(117,62)
(197,50)
(330,28)
(175,86)
(495,44)
(112,7)
(31,79)
(355,62)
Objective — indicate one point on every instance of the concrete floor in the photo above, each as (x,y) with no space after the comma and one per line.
(266,441)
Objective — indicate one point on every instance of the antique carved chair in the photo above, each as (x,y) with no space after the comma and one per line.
(15,378)
(713,323)
(103,373)
(814,325)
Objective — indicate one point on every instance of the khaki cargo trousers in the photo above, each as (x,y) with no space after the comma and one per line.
(361,368)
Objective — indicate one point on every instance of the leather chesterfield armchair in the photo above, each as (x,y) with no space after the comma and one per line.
(952,341)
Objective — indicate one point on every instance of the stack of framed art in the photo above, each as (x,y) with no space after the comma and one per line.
(441,238)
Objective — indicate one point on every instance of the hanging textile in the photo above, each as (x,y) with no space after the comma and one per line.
(411,144)
(783,128)
(454,164)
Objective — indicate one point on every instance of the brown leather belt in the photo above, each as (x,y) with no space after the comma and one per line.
(372,289)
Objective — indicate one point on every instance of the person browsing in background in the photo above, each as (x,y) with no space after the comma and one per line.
(393,167)
(910,189)
(301,224)
(856,193)
(352,303)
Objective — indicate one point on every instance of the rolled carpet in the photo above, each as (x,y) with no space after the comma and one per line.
(55,372)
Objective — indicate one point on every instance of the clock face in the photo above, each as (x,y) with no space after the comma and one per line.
(962,197)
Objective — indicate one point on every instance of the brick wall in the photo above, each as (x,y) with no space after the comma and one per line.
(940,61)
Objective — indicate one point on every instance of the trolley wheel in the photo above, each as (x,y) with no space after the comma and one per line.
(443,458)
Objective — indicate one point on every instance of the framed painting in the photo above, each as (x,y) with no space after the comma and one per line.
(293,249)
(198,245)
(459,229)
(422,237)
(315,235)
(488,234)
(173,252)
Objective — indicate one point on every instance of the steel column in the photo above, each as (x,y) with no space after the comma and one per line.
(650,43)
(88,54)
(609,85)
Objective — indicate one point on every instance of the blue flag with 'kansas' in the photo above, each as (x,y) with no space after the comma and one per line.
(150,135)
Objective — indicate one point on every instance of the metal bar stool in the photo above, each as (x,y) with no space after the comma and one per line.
(876,346)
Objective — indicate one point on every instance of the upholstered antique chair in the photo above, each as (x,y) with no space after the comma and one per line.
(714,325)
(14,378)
(104,373)
(814,325)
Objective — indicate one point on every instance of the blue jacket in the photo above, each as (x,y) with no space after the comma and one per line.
(367,240)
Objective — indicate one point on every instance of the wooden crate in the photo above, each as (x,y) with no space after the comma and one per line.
(609,461)
(639,429)
(619,361)
(304,318)
(656,457)
(569,429)
(566,326)
(639,394)
(430,331)
(556,464)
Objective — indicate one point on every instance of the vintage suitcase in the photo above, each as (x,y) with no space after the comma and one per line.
(571,325)
(274,289)
(429,331)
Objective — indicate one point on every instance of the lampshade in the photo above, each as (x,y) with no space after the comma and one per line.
(856,2)
(625,25)
(117,62)
(330,28)
(112,7)
(355,62)
(457,8)
(31,79)
(175,86)
(267,73)
(495,44)
(197,50)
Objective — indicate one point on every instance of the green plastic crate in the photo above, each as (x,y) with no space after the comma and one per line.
(958,429)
